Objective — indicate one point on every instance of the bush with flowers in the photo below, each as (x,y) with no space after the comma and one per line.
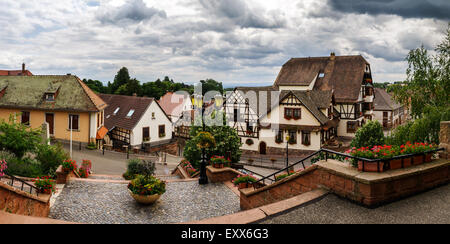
(147,185)
(187,166)
(86,164)
(387,152)
(244,179)
(282,176)
(3,167)
(219,161)
(83,172)
(69,165)
(45,184)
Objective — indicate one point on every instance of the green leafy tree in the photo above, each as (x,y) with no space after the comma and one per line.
(122,78)
(228,143)
(369,135)
(18,138)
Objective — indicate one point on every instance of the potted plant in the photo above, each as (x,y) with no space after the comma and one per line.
(146,189)
(205,140)
(83,172)
(45,184)
(219,161)
(3,167)
(87,164)
(69,165)
(365,152)
(244,181)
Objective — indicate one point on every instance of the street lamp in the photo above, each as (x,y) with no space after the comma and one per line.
(198,103)
(287,152)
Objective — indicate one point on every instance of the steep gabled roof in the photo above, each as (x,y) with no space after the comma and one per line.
(384,101)
(124,104)
(27,92)
(15,73)
(172,103)
(343,74)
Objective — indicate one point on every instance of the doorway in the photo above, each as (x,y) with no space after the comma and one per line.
(262,148)
(50,119)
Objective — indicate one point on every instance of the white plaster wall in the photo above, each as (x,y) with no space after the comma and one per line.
(277,117)
(268,136)
(148,121)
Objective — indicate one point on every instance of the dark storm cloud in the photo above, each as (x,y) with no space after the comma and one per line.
(132,11)
(438,9)
(239,13)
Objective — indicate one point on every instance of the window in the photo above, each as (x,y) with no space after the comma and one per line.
(321,75)
(153,115)
(297,113)
(162,130)
(73,118)
(287,113)
(49,97)
(235,113)
(352,126)
(130,113)
(146,134)
(116,111)
(279,137)
(292,137)
(25,118)
(306,138)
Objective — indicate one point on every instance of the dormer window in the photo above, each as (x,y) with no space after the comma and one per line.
(50,97)
(130,113)
(321,75)
(116,111)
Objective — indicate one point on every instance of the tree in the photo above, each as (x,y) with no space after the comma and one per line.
(122,78)
(371,134)
(18,138)
(428,79)
(228,143)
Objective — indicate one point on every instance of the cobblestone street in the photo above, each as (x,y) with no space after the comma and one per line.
(109,203)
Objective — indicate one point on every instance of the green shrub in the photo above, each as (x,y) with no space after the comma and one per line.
(139,167)
(369,135)
(91,146)
(25,167)
(50,157)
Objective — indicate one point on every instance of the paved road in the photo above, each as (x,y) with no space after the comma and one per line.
(115,163)
(431,207)
(109,203)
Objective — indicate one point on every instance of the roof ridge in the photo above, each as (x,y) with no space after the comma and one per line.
(85,87)
(119,95)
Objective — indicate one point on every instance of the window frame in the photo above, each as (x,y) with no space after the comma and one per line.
(308,134)
(292,139)
(145,130)
(71,127)
(163,130)
(22,116)
(352,130)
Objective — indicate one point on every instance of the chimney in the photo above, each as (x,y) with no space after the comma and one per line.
(332,56)
(23,68)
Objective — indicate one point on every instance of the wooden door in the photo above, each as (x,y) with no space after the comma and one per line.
(262,148)
(50,119)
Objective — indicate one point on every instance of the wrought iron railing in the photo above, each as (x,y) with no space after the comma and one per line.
(22,183)
(328,154)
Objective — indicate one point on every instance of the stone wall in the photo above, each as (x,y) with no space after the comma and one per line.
(221,175)
(170,148)
(370,189)
(15,201)
(444,139)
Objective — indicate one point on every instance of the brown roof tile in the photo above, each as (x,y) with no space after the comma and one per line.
(125,104)
(343,74)
(384,101)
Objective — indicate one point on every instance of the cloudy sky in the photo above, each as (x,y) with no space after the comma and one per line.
(234,41)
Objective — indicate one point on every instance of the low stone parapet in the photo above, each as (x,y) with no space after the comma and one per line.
(221,174)
(370,189)
(13,200)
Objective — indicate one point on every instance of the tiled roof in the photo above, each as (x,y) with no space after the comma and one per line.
(28,92)
(384,101)
(15,72)
(172,103)
(343,74)
(125,104)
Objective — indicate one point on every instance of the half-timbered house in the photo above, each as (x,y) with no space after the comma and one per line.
(135,121)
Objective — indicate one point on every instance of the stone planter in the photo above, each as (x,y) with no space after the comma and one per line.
(407,162)
(428,157)
(395,164)
(242,185)
(45,191)
(218,166)
(417,159)
(371,166)
(145,199)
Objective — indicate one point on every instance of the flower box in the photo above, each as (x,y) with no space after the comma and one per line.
(428,157)
(395,164)
(418,159)
(407,162)
(371,166)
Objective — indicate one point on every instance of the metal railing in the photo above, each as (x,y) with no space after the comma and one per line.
(22,183)
(253,173)
(327,154)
